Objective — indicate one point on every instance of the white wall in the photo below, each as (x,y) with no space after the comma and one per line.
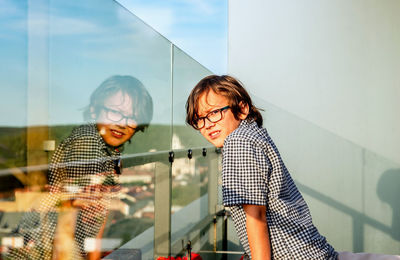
(333,63)
(328,75)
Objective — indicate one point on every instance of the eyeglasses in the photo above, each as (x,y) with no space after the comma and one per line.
(117,117)
(214,116)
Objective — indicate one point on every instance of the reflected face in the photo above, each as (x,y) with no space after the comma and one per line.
(115,121)
(216,133)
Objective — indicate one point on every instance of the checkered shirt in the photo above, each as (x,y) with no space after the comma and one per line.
(82,161)
(253,173)
(82,155)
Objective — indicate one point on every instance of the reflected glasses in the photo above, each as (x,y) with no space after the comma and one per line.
(117,117)
(214,116)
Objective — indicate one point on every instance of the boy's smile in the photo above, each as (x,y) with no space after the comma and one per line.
(216,133)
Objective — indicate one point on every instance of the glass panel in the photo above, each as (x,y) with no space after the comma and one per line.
(57,55)
(190,204)
(193,201)
(130,224)
(74,49)
(109,66)
(187,207)
(92,41)
(13,106)
(186,73)
(13,81)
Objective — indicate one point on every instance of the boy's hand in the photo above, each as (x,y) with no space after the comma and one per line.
(257,232)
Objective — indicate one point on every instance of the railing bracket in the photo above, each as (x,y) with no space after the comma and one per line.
(171,157)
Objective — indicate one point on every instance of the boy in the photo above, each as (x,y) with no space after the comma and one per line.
(270,215)
(84,170)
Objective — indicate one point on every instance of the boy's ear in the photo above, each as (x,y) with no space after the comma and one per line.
(244,107)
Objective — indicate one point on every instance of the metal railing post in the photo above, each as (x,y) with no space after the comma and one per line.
(225,236)
(212,160)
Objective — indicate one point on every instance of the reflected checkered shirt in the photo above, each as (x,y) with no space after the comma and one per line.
(81,155)
(253,173)
(78,158)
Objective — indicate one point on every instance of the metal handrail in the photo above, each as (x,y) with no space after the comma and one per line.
(129,160)
(149,157)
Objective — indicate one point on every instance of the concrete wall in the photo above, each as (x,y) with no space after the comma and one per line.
(333,63)
(327,74)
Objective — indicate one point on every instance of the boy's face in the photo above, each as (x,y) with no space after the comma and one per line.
(114,121)
(216,133)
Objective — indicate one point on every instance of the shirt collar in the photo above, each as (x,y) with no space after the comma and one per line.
(247,123)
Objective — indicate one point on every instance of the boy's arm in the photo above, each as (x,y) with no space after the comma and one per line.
(257,232)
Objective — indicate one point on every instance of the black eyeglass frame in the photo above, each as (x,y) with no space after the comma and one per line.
(107,110)
(203,118)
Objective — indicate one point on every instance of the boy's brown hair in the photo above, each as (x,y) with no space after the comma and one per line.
(142,102)
(228,87)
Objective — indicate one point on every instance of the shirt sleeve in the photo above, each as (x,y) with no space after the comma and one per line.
(244,172)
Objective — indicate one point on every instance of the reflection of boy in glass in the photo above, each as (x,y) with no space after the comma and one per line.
(85,166)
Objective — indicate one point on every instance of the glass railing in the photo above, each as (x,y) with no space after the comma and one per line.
(81,78)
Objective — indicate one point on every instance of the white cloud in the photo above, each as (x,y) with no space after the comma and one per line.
(201,6)
(11,19)
(160,18)
(72,26)
(8,8)
(58,25)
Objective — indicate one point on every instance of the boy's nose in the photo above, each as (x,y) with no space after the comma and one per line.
(208,123)
(123,123)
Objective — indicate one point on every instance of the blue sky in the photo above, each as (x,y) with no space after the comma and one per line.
(86,42)
(198,27)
